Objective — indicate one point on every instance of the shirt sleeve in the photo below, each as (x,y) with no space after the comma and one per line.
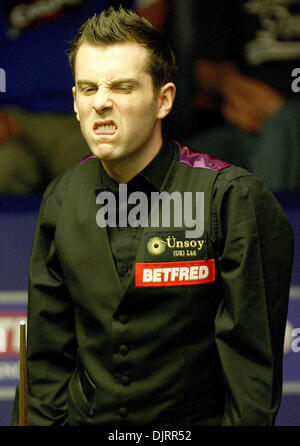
(51,342)
(255,245)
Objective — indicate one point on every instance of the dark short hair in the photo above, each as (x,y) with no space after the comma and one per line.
(119,26)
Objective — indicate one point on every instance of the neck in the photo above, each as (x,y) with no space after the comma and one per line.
(122,171)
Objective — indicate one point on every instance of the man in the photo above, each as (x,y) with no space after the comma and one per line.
(133,324)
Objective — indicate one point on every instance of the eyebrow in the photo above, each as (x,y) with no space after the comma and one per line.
(114,83)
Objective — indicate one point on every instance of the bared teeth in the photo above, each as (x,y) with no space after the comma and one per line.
(106,127)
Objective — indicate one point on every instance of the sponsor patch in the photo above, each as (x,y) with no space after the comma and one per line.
(183,273)
(173,246)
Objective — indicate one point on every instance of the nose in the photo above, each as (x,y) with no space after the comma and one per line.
(102,101)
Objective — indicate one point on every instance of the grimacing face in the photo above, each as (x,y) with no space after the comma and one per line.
(114,101)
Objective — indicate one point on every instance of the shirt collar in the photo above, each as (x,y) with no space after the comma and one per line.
(153,174)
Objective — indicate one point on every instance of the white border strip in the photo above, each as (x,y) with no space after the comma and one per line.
(7,393)
(295,292)
(291,388)
(13,297)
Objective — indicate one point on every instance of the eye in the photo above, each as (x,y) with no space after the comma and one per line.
(123,88)
(88,90)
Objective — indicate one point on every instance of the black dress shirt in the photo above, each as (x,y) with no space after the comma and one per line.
(124,241)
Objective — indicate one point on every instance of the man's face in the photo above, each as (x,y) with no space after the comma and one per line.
(119,114)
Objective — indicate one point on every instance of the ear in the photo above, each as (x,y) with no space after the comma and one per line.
(75,103)
(166,99)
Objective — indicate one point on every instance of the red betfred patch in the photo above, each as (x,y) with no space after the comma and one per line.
(158,274)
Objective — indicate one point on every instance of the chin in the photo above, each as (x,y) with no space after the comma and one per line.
(103,151)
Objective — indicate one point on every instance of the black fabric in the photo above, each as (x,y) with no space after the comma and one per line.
(124,242)
(153,354)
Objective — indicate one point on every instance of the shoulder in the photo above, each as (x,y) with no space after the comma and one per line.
(198,161)
(69,183)
(78,171)
(227,179)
